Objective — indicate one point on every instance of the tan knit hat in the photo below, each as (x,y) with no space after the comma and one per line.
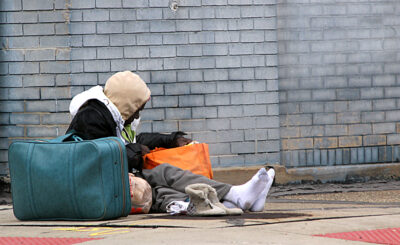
(127,91)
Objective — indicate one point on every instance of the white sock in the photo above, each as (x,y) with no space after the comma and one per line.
(244,196)
(258,206)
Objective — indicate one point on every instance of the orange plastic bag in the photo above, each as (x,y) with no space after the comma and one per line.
(194,157)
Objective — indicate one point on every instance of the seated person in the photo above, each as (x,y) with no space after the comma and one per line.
(114,111)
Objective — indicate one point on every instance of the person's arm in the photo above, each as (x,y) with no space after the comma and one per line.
(135,153)
(153,140)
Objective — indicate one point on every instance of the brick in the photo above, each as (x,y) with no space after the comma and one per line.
(240,24)
(164,101)
(368,117)
(55,93)
(40,106)
(176,38)
(223,12)
(293,120)
(217,124)
(230,111)
(202,63)
(384,80)
(20,17)
(10,5)
(56,118)
(23,67)
(190,76)
(39,55)
(41,131)
(229,87)
(227,62)
(393,139)
(54,41)
(361,105)
(122,40)
(82,28)
(202,13)
(266,73)
(150,64)
(188,25)
(98,15)
(254,110)
(136,52)
(230,136)
(109,27)
(11,106)
(311,131)
(153,114)
(162,26)
(122,15)
(149,39)
(371,93)
(350,141)
(191,100)
(214,25)
(37,4)
(163,51)
(123,65)
(51,17)
(243,147)
(96,40)
(38,80)
(217,99)
(192,125)
(392,92)
(349,117)
(108,4)
(243,98)
(326,142)
(204,112)
(373,140)
(392,116)
(149,13)
(349,94)
(383,128)
(203,88)
(310,107)
(294,144)
(243,123)
(24,118)
(215,49)
(55,67)
(179,63)
(255,86)
(360,129)
(175,15)
(189,50)
(12,55)
(163,77)
(178,113)
(324,118)
(23,42)
(11,131)
(227,37)
(137,27)
(177,89)
(201,37)
(83,53)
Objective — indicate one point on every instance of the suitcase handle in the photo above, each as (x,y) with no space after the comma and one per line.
(71,134)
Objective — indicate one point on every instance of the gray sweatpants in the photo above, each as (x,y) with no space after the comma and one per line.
(168,184)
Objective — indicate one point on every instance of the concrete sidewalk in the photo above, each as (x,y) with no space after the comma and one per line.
(292,215)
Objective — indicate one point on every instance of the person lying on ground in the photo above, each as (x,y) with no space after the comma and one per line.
(115,111)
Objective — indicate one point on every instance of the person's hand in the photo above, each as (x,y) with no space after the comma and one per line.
(145,149)
(181,141)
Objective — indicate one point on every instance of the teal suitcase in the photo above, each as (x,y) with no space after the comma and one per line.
(69,179)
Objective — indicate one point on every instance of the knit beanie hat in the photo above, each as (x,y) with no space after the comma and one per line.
(127,91)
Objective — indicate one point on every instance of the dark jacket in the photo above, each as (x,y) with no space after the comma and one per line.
(94,121)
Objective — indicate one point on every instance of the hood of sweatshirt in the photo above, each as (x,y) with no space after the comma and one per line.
(98,94)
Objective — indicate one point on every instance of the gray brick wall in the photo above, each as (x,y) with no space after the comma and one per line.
(211,66)
(339,81)
(35,70)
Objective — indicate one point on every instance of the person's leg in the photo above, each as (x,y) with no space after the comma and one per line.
(175,178)
(170,177)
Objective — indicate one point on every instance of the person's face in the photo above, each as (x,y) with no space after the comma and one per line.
(136,115)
